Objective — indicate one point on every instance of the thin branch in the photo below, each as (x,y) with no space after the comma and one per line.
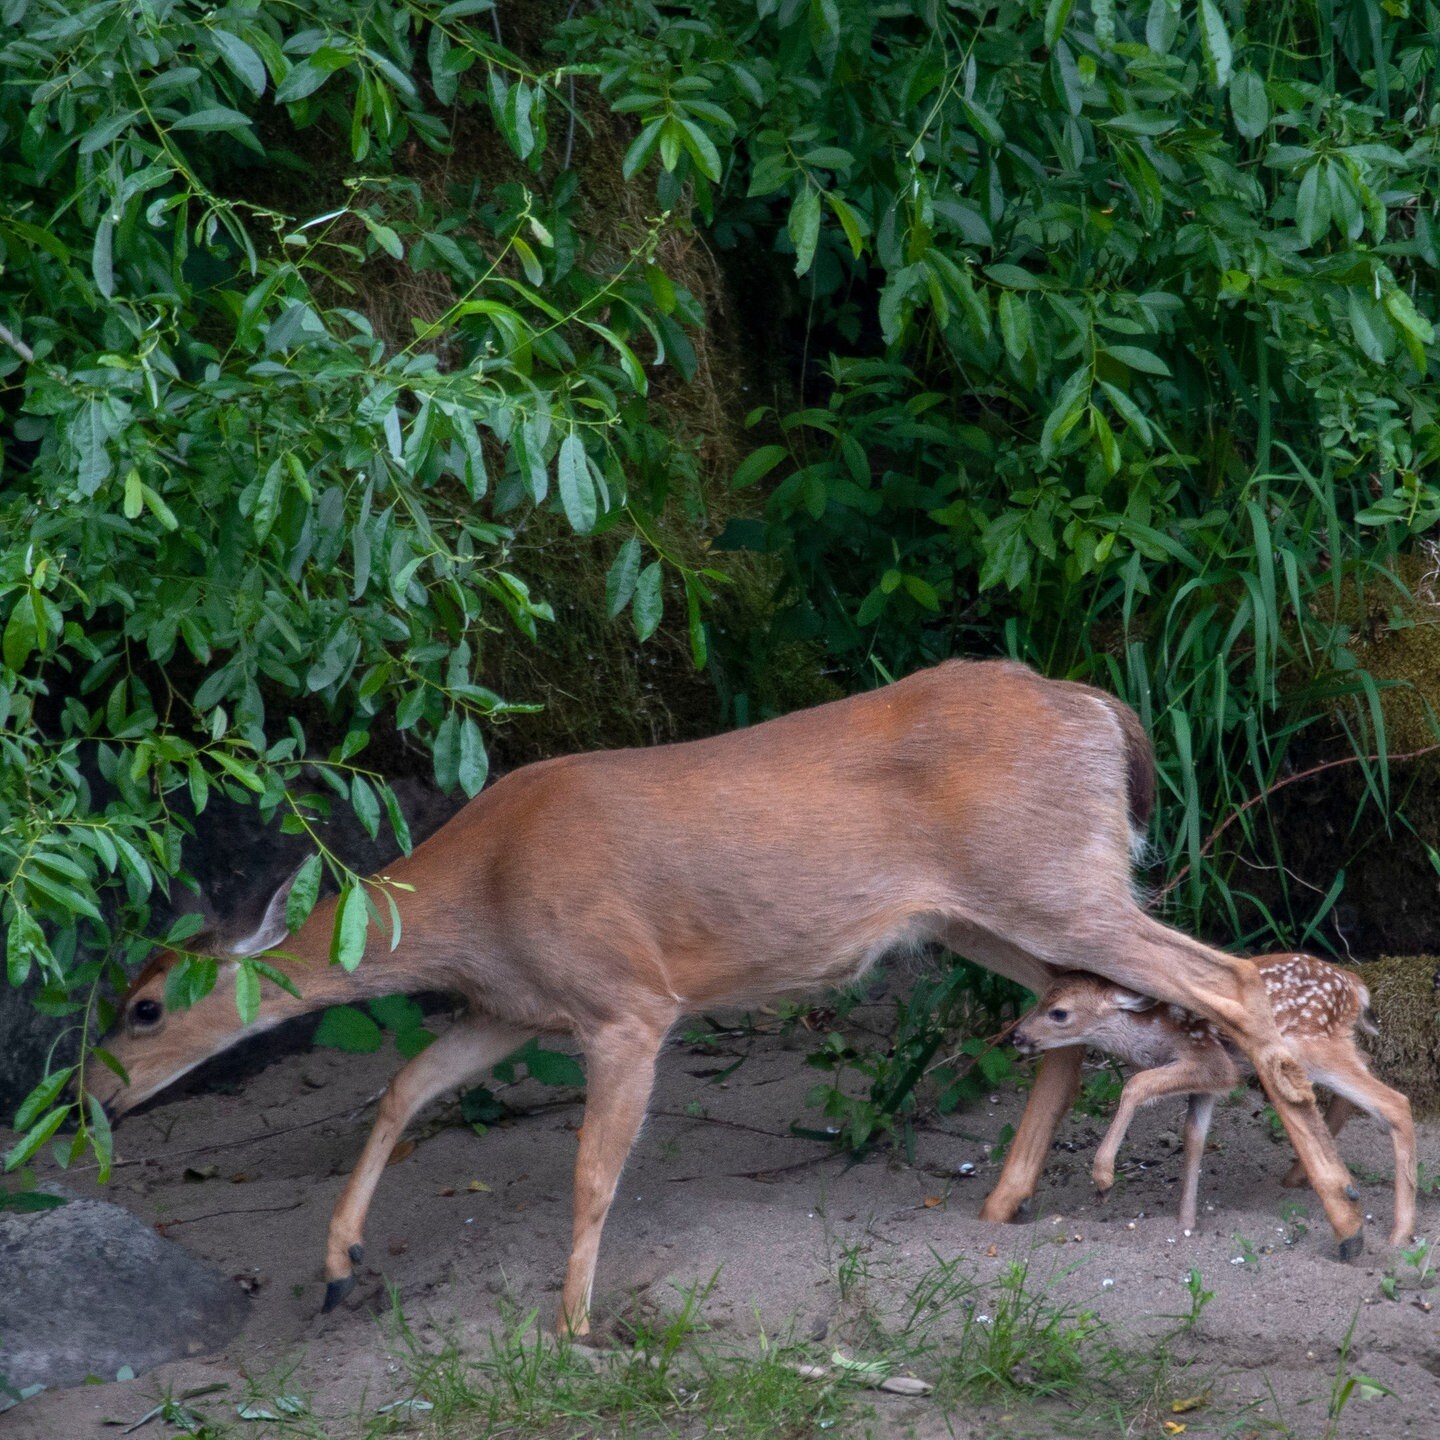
(1269,790)
(17,344)
(217,1214)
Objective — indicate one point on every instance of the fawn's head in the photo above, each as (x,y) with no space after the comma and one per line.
(1079,1009)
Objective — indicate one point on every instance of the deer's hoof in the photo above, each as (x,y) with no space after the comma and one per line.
(1352,1246)
(356,1253)
(336,1291)
(1102,1192)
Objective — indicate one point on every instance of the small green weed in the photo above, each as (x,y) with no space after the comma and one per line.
(1412,1271)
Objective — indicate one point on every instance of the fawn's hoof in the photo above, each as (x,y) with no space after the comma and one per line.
(1103,1192)
(1352,1246)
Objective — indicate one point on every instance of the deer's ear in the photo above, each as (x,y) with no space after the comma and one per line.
(271,929)
(1129,1000)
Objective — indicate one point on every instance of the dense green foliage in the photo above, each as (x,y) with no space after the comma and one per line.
(1110,322)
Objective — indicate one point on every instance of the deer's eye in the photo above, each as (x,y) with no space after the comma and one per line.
(1059,1015)
(145,1012)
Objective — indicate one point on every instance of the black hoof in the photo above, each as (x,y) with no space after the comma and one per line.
(1024,1212)
(357,1253)
(1102,1193)
(336,1291)
(1352,1246)
(1351,1193)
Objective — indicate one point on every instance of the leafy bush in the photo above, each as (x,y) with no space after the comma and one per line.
(1107,329)
(240,523)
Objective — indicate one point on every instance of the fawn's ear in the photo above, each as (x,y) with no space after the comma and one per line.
(1129,1000)
(271,929)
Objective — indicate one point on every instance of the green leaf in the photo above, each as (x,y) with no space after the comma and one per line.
(649,601)
(352,924)
(1215,42)
(1069,406)
(1249,104)
(365,805)
(1014,325)
(20,633)
(1057,12)
(343,1027)
(1402,311)
(214,117)
(246,64)
(803,227)
(102,257)
(621,578)
(473,763)
(29,1143)
(304,891)
(577,488)
(1133,356)
(247,992)
(309,76)
(396,1012)
(757,465)
(550,1067)
(42,1097)
(850,223)
(1312,204)
(1141,122)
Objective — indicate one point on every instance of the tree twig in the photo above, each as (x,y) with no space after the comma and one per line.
(17,344)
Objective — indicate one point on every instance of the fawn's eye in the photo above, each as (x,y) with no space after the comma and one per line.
(145,1012)
(1059,1016)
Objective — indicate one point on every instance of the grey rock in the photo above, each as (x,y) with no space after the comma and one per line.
(87,1288)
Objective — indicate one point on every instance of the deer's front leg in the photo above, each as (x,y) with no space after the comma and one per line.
(620,1070)
(460,1053)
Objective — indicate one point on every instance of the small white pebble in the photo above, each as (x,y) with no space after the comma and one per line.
(966,1169)
(982,1319)
(1237,1259)
(1107,1283)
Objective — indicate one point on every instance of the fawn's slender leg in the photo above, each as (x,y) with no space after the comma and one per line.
(1335,1117)
(1183,1077)
(1057,1083)
(620,1071)
(1347,1075)
(464,1050)
(1198,1114)
(1146,956)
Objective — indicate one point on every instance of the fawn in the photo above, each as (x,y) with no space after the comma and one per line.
(606,895)
(1318,1008)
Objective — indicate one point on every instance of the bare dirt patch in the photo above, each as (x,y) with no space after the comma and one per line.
(472,1231)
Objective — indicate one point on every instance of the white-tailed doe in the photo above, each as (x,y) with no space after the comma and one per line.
(1318,1008)
(606,895)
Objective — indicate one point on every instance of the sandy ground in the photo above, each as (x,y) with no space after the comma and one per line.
(731,1191)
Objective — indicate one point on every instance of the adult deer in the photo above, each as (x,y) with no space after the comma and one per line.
(607,894)
(1317,1006)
